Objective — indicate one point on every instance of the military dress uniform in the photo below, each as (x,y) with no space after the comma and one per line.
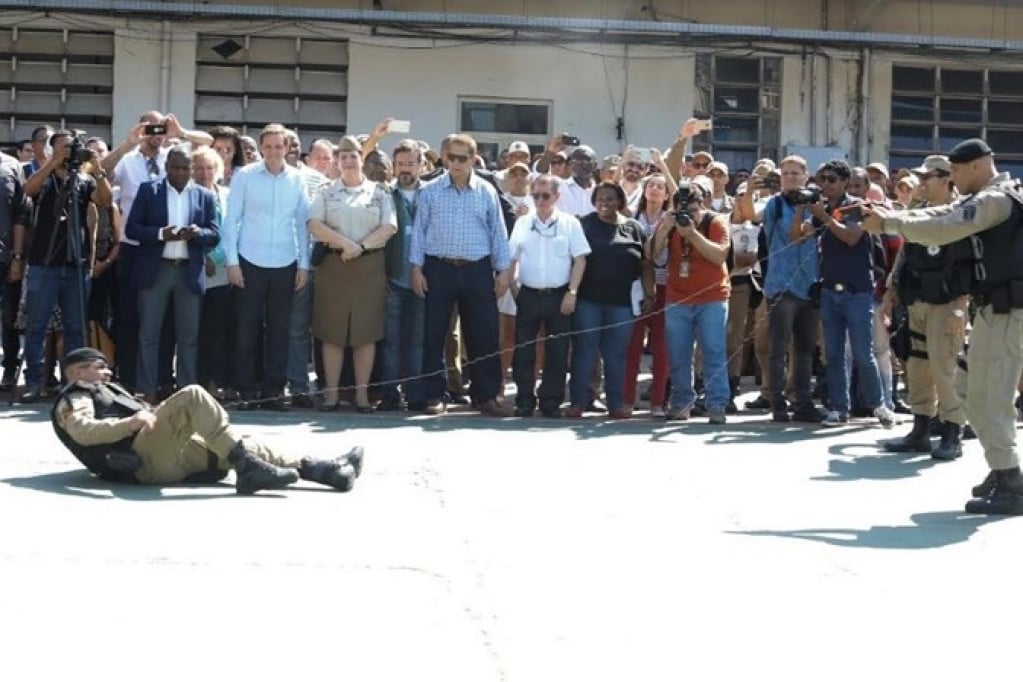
(191,442)
(990,222)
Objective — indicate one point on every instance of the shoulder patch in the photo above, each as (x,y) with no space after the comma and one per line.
(969,212)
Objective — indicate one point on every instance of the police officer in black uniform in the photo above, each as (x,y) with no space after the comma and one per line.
(989,217)
(185,439)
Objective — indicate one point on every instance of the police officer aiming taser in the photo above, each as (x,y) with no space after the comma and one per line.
(989,218)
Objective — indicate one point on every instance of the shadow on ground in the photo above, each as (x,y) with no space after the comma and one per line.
(927,530)
(875,464)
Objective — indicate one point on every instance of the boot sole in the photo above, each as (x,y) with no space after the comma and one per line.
(282,482)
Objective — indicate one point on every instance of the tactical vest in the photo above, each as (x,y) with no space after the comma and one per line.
(109,401)
(936,274)
(998,272)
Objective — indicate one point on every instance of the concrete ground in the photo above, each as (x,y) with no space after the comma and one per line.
(524,550)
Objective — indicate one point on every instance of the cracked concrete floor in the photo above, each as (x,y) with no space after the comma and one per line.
(479,550)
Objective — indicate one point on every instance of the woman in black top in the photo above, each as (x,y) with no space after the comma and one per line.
(603,312)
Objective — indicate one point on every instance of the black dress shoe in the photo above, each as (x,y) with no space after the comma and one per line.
(278,404)
(329,407)
(551,412)
(457,398)
(523,412)
(303,400)
(761,403)
(7,383)
(417,406)
(389,405)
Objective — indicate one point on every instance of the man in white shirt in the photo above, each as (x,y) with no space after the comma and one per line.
(548,250)
(575,194)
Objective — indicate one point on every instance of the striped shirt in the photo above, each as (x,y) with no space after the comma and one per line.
(459,223)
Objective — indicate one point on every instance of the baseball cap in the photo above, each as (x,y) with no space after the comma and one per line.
(518,164)
(717,165)
(518,146)
(706,155)
(704,183)
(879,167)
(933,164)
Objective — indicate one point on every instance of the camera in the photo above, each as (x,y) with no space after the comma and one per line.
(811,194)
(78,153)
(683,197)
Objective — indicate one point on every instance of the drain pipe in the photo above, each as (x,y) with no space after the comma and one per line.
(165,65)
(864,133)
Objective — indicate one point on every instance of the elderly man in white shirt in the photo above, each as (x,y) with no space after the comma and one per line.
(548,250)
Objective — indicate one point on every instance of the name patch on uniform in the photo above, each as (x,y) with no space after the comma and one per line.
(969,212)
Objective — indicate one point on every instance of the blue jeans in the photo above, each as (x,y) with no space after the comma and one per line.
(707,323)
(402,353)
(612,342)
(300,338)
(843,315)
(48,287)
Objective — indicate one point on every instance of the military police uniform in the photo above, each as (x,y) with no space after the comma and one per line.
(991,223)
(934,283)
(190,442)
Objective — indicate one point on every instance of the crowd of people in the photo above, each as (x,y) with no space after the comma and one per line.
(206,257)
(418,278)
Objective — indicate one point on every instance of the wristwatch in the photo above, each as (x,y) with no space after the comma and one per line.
(100,175)
(17,256)
(573,292)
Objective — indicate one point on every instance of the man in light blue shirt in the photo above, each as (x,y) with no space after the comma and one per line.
(458,243)
(266,246)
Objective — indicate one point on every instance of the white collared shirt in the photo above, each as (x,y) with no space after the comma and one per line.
(575,200)
(131,171)
(545,249)
(177,215)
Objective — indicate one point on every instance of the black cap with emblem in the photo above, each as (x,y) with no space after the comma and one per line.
(969,150)
(83,355)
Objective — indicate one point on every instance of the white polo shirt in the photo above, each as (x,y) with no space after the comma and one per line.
(545,249)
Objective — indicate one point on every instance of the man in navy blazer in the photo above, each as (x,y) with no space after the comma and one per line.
(175,224)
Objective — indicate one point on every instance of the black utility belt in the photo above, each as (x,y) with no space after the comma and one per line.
(1003,298)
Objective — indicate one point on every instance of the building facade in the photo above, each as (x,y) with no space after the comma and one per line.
(890,81)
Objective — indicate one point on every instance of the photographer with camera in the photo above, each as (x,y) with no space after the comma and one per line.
(60,247)
(788,285)
(696,298)
(847,293)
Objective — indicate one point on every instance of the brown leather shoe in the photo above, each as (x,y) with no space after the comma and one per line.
(492,408)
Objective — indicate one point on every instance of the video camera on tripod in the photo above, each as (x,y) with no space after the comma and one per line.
(78,153)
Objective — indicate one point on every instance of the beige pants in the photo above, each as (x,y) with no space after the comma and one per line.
(738,311)
(995,359)
(933,379)
(189,426)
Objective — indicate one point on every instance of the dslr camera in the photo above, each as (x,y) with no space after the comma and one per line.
(811,194)
(684,197)
(78,153)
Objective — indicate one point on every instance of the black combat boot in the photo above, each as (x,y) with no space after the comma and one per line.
(354,457)
(337,474)
(1006,498)
(950,447)
(917,440)
(984,488)
(253,474)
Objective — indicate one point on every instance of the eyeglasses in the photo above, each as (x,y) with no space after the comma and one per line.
(542,196)
(828,178)
(458,158)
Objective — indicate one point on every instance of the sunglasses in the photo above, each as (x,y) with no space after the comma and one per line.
(698,164)
(542,196)
(458,158)
(828,178)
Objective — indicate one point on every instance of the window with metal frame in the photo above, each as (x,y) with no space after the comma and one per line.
(936,107)
(743,97)
(495,123)
(60,78)
(250,81)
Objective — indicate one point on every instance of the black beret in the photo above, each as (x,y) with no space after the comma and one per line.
(969,150)
(83,355)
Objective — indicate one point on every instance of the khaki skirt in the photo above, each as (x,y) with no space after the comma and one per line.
(349,299)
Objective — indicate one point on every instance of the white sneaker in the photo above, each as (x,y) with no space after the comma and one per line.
(834,418)
(885,416)
(657,412)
